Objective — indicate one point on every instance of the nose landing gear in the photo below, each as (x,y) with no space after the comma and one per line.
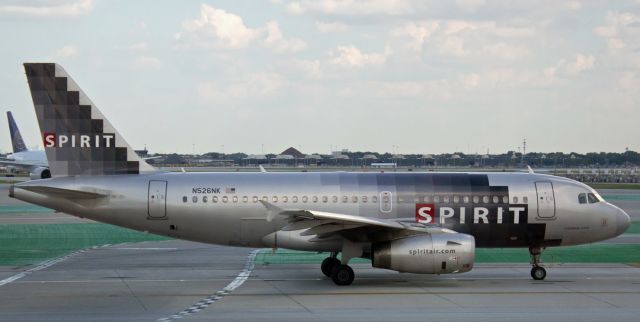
(538,272)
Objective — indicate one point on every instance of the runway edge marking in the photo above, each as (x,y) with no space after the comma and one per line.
(46,264)
(205,302)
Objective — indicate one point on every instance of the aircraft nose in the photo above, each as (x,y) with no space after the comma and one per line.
(623,221)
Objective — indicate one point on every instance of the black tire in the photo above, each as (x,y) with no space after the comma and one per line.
(342,275)
(538,273)
(327,265)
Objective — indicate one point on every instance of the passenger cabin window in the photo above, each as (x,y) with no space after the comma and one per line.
(225,199)
(184,199)
(334,199)
(294,199)
(592,198)
(345,199)
(305,199)
(476,199)
(195,199)
(427,199)
(582,198)
(465,199)
(446,199)
(456,199)
(285,199)
(495,199)
(204,199)
(485,199)
(354,199)
(374,199)
(214,199)
(525,199)
(364,198)
(325,199)
(255,199)
(235,199)
(515,199)
(505,199)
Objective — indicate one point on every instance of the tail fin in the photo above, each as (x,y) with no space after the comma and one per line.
(77,138)
(16,138)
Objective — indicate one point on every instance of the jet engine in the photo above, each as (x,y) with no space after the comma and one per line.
(426,254)
(40,173)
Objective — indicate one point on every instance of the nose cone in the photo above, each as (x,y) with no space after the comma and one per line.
(623,221)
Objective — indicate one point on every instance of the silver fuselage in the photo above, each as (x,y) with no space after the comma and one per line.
(224,208)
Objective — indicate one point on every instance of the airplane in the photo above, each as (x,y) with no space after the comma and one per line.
(429,223)
(33,161)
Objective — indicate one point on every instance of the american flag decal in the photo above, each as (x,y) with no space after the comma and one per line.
(230,190)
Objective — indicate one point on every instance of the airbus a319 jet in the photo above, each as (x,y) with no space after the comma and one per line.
(427,223)
(33,161)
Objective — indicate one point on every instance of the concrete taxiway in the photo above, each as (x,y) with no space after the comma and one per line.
(155,280)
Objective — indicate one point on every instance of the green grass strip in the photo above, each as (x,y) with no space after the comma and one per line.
(634,228)
(23,209)
(24,244)
(595,253)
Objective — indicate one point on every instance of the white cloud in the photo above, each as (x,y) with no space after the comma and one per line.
(48,8)
(66,52)
(351,56)
(353,7)
(331,27)
(279,43)
(462,38)
(219,28)
(252,86)
(581,63)
(418,32)
(310,68)
(621,30)
(148,62)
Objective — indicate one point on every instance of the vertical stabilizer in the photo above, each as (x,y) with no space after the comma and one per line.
(16,137)
(77,138)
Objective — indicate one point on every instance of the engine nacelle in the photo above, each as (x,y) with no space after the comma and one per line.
(40,173)
(426,254)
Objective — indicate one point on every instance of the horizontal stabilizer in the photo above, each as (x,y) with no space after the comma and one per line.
(63,193)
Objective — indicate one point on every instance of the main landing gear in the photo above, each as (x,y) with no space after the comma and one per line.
(538,272)
(339,273)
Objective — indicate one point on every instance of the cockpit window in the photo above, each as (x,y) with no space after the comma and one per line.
(592,198)
(582,198)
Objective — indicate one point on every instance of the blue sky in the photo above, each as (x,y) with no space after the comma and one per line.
(404,75)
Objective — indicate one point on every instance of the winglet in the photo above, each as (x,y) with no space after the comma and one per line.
(530,170)
(262,168)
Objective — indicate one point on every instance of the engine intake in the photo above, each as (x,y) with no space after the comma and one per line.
(426,254)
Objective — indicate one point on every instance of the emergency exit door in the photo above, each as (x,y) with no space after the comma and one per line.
(546,200)
(157,199)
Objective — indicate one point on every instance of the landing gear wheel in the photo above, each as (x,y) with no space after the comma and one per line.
(342,275)
(538,273)
(328,264)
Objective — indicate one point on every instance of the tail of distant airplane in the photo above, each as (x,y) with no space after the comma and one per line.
(16,137)
(77,138)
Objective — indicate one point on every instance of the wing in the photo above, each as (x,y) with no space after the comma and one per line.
(355,228)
